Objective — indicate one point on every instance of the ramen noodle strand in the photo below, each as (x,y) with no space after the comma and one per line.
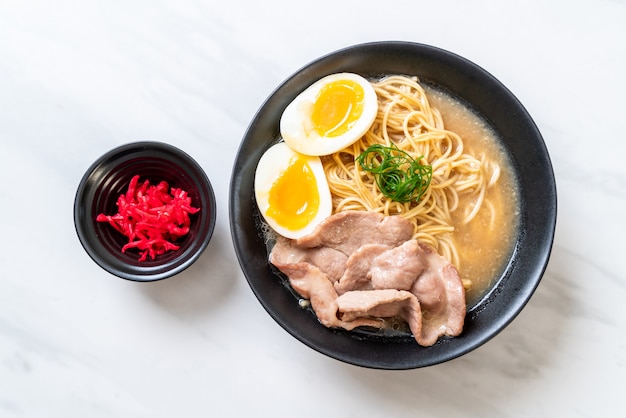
(406,120)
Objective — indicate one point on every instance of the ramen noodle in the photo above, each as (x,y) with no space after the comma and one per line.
(466,204)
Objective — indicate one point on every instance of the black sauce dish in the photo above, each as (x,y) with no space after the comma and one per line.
(521,138)
(109,176)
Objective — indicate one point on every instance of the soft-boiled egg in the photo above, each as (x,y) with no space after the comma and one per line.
(291,191)
(331,114)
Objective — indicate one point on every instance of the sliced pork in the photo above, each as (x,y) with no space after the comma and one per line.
(384,303)
(348,231)
(358,267)
(442,298)
(399,267)
(313,284)
(328,260)
(356,275)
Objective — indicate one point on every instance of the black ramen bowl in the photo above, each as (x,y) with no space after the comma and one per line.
(109,176)
(521,140)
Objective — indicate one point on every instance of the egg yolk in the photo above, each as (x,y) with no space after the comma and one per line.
(294,198)
(338,106)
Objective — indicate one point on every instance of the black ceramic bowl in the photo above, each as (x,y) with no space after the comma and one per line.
(521,139)
(109,176)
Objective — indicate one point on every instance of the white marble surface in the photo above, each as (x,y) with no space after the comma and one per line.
(78,78)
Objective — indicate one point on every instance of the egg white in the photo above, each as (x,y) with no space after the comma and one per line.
(270,167)
(295,119)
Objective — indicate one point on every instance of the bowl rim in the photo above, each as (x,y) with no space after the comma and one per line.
(523,272)
(84,226)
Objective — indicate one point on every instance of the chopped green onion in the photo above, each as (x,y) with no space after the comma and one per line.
(399,176)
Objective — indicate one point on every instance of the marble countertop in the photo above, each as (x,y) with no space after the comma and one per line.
(79,78)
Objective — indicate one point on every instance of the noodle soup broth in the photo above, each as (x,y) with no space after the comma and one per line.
(485,244)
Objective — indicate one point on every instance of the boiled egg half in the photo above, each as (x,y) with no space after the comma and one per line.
(329,115)
(291,191)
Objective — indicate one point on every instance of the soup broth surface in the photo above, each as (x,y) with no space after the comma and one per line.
(486,243)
